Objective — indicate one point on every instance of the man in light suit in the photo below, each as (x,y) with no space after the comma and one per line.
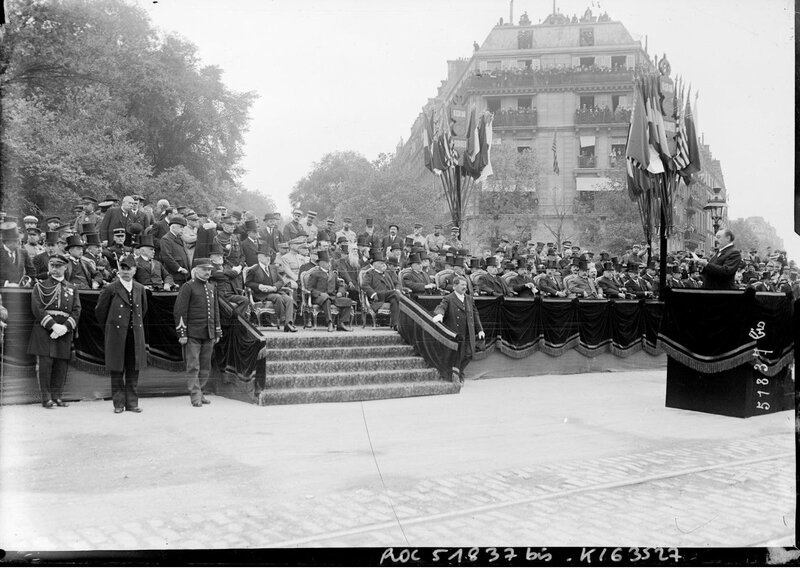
(719,271)
(458,313)
(266,285)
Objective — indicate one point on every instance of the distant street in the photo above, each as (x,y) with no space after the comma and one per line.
(592,459)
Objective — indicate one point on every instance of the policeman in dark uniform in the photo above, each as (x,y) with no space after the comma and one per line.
(56,309)
(197,322)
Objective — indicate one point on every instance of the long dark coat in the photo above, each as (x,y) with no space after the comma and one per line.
(114,313)
(461,318)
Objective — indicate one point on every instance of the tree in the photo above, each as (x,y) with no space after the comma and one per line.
(94,102)
(337,177)
(508,201)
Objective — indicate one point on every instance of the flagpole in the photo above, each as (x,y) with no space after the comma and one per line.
(662,260)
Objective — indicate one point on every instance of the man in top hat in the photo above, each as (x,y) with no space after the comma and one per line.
(547,284)
(227,279)
(675,281)
(196,313)
(607,284)
(519,281)
(310,227)
(80,271)
(651,278)
(380,285)
(293,229)
(435,241)
(173,253)
(150,272)
(56,309)
(636,287)
(120,309)
(489,283)
(14,262)
(367,238)
(325,286)
(446,278)
(249,245)
(326,236)
(392,239)
(458,313)
(580,285)
(266,284)
(415,280)
(718,272)
(346,232)
(88,215)
(93,254)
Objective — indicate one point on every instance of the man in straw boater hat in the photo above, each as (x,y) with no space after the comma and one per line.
(56,308)
(325,287)
(123,334)
(196,313)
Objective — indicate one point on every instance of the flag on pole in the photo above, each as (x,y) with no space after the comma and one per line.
(427,140)
(485,155)
(555,156)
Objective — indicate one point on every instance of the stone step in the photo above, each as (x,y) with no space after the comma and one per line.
(351,394)
(279,367)
(279,382)
(339,352)
(306,339)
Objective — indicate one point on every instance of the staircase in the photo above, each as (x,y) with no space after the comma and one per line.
(317,366)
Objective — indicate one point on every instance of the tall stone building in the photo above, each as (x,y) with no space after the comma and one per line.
(568,83)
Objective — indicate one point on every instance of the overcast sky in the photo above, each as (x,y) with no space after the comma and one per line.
(354,74)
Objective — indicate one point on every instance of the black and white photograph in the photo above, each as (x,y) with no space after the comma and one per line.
(398,282)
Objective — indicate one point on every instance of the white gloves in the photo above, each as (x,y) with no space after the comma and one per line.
(438,318)
(58,330)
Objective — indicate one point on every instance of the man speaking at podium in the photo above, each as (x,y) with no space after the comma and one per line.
(719,271)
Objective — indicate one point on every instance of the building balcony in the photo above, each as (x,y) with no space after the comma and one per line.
(587,162)
(532,79)
(694,236)
(602,116)
(515,118)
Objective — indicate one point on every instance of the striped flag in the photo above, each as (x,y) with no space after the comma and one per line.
(555,156)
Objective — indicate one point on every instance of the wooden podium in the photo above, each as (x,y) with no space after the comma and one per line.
(741,392)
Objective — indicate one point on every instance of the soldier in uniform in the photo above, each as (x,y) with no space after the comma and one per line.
(117,249)
(121,308)
(417,238)
(293,229)
(435,241)
(87,215)
(229,242)
(346,232)
(56,308)
(149,272)
(325,287)
(380,286)
(197,322)
(453,242)
(327,235)
(310,227)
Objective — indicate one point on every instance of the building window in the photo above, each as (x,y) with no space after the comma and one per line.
(619,62)
(587,61)
(587,36)
(614,102)
(521,149)
(494,65)
(493,104)
(524,39)
(525,63)
(616,158)
(587,102)
(524,102)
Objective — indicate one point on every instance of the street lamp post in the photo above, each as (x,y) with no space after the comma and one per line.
(716,207)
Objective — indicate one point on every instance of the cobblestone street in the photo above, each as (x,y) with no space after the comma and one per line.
(479,468)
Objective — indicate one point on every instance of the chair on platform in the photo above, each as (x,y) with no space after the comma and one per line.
(307,305)
(384,309)
(440,277)
(403,272)
(261,307)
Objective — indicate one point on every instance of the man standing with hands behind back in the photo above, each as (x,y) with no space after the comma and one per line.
(458,313)
(197,322)
(121,309)
(719,271)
